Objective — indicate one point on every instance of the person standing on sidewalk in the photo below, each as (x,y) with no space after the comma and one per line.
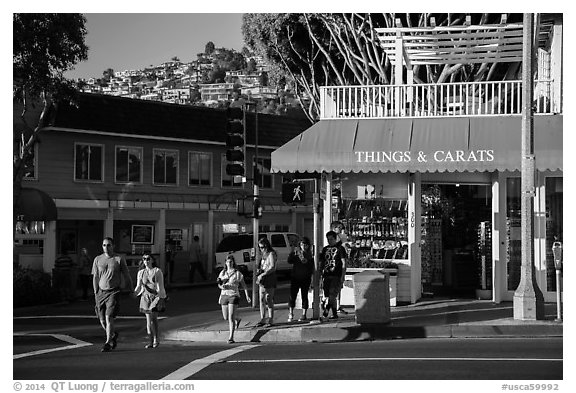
(196,260)
(332,260)
(266,281)
(302,263)
(229,281)
(85,272)
(341,237)
(150,288)
(107,270)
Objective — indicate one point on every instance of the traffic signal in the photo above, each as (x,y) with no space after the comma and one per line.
(257,208)
(235,142)
(294,193)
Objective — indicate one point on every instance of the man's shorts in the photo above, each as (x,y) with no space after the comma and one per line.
(107,303)
(227,299)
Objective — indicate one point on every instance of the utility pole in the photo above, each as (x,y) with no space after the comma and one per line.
(255,219)
(528,299)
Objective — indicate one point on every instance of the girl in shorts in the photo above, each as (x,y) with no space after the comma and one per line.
(150,288)
(229,280)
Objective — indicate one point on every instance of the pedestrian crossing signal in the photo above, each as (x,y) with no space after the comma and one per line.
(294,193)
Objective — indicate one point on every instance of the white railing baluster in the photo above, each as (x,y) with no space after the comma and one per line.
(433,100)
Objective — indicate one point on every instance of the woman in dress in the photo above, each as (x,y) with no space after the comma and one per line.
(266,280)
(229,281)
(150,288)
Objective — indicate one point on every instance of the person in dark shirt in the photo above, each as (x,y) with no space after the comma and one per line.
(332,259)
(302,263)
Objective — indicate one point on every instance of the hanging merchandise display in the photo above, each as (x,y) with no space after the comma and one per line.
(377,231)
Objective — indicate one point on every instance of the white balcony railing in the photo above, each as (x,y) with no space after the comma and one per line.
(434,100)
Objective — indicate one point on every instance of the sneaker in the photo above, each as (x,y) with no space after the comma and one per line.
(303,318)
(333,317)
(290,317)
(106,348)
(269,324)
(230,341)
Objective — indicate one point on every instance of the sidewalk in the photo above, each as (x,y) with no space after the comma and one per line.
(439,318)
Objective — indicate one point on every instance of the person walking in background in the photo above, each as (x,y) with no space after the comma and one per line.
(84,272)
(332,259)
(342,238)
(229,281)
(196,260)
(107,270)
(266,280)
(150,288)
(302,263)
(170,256)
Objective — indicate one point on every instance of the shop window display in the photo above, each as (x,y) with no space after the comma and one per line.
(377,232)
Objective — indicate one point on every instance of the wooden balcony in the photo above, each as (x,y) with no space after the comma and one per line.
(435,100)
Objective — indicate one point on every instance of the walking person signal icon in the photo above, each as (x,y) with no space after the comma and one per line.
(294,193)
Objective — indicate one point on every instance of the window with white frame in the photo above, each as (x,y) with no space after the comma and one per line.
(227,180)
(88,162)
(128,164)
(264,165)
(165,164)
(199,169)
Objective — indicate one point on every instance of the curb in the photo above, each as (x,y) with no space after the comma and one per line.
(365,333)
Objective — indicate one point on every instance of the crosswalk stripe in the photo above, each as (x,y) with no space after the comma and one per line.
(199,364)
(62,337)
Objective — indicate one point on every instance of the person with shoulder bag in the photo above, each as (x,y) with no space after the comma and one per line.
(302,263)
(266,281)
(150,288)
(229,281)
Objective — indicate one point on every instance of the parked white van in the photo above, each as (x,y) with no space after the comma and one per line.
(241,247)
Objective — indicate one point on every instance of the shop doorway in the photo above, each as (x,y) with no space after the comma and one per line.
(456,240)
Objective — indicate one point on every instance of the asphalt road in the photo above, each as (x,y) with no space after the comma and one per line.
(536,359)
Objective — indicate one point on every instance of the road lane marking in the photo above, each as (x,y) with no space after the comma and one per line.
(199,364)
(62,337)
(80,317)
(389,359)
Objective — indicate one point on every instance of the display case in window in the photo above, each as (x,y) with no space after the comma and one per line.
(377,230)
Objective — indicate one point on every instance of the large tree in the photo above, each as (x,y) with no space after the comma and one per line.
(44,47)
(314,50)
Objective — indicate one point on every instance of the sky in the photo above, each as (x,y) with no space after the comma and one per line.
(127,41)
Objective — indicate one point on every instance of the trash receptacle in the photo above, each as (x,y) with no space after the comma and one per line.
(372,297)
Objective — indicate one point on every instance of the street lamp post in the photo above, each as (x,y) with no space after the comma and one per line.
(528,299)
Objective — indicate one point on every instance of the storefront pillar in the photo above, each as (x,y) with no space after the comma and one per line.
(49,255)
(160,239)
(327,209)
(210,243)
(414,235)
(498,222)
(109,223)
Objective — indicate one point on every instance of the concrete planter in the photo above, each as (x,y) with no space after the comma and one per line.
(347,294)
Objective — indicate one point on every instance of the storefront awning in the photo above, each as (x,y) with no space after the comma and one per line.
(420,145)
(36,205)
